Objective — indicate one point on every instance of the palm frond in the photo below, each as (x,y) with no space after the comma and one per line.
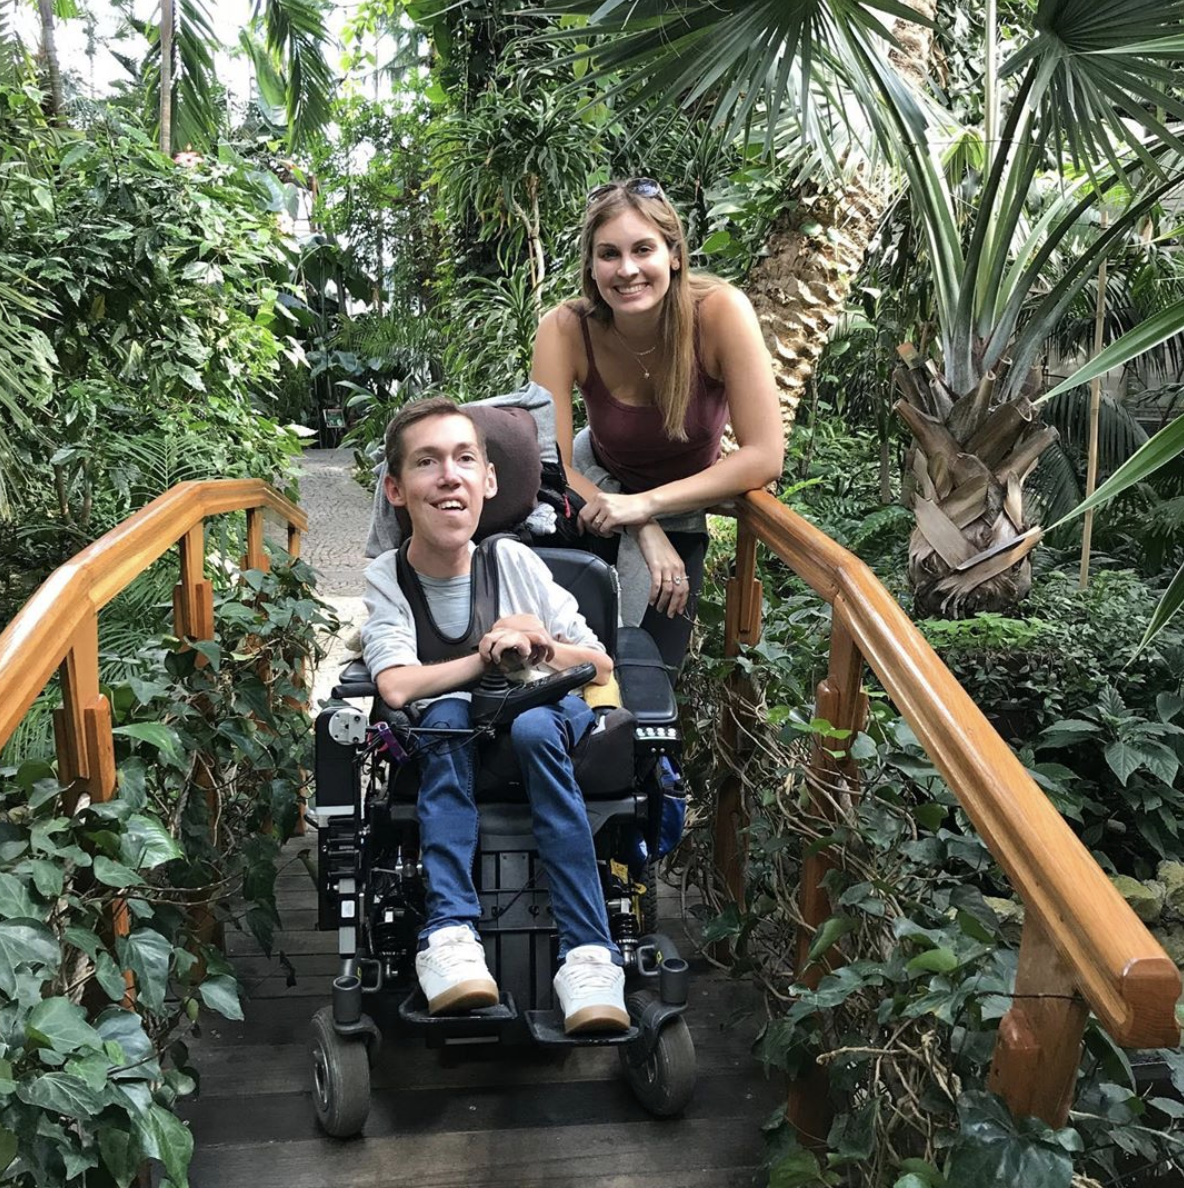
(297,36)
(726,59)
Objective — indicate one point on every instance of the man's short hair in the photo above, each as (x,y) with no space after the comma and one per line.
(420,410)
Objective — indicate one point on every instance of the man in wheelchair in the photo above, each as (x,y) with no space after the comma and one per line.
(432,634)
(559,866)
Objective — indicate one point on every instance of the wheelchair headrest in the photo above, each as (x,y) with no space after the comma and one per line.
(593,583)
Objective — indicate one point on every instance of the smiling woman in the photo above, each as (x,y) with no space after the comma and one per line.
(663,358)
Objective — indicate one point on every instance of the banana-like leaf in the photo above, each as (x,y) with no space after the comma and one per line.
(297,37)
(1167,444)
(1144,337)
(1169,604)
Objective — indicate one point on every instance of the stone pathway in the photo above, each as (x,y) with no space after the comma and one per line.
(338,508)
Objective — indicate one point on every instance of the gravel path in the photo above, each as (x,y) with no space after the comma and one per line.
(338,510)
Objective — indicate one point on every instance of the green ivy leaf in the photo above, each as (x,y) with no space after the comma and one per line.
(830,932)
(110,977)
(991,1149)
(62,1093)
(61,1025)
(124,1030)
(156,734)
(121,1154)
(220,993)
(25,942)
(165,1137)
(115,874)
(146,953)
(47,878)
(146,844)
(939,960)
(15,901)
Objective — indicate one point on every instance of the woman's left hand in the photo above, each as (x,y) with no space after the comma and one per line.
(606,513)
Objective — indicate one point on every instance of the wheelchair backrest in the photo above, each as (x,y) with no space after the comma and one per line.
(593,583)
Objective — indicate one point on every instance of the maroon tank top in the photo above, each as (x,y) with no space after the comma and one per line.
(630,440)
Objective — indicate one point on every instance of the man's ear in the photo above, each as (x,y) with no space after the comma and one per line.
(393,493)
(490,481)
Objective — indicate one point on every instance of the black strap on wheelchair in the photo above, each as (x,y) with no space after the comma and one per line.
(431,644)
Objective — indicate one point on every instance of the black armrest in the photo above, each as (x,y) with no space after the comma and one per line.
(646,689)
(355,681)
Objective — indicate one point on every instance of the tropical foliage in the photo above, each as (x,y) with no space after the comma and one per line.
(875,173)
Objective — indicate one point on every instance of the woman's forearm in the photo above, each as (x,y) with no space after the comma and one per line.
(747,469)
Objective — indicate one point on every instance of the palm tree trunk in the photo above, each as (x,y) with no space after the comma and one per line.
(800,287)
(969,551)
(167,37)
(49,51)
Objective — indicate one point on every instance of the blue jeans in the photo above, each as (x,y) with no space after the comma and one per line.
(543,738)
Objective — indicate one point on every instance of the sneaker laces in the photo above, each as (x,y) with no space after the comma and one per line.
(461,951)
(586,973)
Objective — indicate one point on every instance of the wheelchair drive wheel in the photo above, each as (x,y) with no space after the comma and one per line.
(663,1079)
(341,1077)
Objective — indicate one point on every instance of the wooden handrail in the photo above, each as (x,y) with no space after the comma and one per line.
(1075,913)
(62,612)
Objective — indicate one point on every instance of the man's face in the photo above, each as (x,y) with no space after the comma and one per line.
(444,481)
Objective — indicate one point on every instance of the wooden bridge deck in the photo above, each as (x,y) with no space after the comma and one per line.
(471,1116)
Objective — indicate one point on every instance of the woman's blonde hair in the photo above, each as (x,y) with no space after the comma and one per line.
(676,333)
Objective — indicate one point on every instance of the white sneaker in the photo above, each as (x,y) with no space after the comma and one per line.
(591,991)
(452,972)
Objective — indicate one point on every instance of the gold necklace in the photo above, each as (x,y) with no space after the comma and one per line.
(638,356)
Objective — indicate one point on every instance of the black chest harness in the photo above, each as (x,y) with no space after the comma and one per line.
(431,644)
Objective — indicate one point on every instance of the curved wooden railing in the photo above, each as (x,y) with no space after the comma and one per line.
(1082,944)
(57,630)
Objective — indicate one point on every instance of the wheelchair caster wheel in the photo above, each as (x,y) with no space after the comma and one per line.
(664,1080)
(340,1077)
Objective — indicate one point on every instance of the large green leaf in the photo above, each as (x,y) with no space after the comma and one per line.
(992,1150)
(1145,337)
(147,953)
(220,993)
(62,1093)
(146,843)
(15,901)
(25,942)
(1169,604)
(1167,444)
(61,1025)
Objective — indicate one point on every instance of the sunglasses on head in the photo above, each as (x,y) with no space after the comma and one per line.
(643,187)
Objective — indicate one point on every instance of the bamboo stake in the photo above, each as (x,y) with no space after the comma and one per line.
(1095,410)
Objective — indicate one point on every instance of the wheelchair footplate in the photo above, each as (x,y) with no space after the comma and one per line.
(484,1021)
(546,1029)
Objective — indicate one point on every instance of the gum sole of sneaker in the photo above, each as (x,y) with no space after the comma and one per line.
(596,1018)
(465,996)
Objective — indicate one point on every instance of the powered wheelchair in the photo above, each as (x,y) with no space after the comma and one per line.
(370,882)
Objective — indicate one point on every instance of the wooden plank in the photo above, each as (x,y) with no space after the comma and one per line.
(415,1111)
(606,1156)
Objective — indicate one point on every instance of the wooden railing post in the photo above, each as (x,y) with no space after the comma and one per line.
(256,557)
(742,625)
(82,727)
(1038,1048)
(193,595)
(840,700)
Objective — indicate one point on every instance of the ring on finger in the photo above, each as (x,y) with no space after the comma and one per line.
(677,581)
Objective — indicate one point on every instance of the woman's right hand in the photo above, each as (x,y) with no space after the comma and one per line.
(669,591)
